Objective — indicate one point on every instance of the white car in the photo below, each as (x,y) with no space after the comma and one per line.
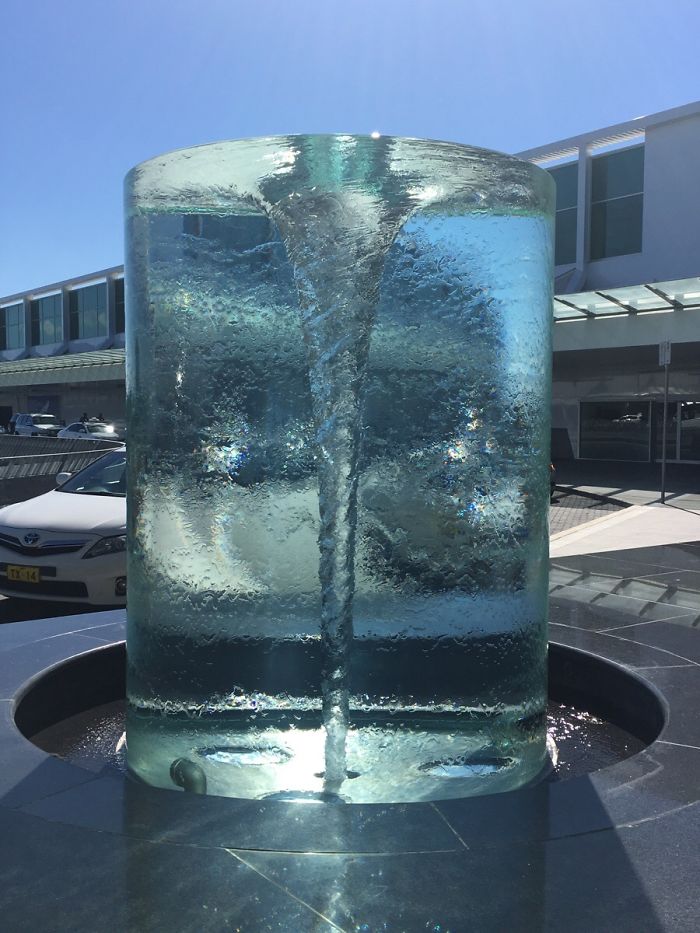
(69,545)
(89,431)
(37,425)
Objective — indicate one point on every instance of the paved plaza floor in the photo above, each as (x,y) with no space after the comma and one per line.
(632,483)
(569,510)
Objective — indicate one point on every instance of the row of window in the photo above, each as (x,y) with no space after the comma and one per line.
(616,201)
(87,315)
(633,430)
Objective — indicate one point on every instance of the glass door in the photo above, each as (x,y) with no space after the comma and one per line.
(689,431)
(682,433)
(671,430)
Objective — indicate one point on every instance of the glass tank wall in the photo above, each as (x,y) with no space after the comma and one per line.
(338,374)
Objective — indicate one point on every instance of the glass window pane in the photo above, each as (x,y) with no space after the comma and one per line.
(101,296)
(616,227)
(564,312)
(119,306)
(639,298)
(88,305)
(671,429)
(614,430)
(618,174)
(14,327)
(566,180)
(690,430)
(47,324)
(594,303)
(565,237)
(685,291)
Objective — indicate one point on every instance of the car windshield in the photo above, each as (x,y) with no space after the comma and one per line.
(100,428)
(105,477)
(44,419)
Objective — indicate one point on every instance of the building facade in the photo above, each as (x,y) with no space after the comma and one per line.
(627,279)
(62,348)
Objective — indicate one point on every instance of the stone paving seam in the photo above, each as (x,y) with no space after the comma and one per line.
(673,654)
(281,887)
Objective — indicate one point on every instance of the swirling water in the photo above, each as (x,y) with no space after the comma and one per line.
(337,583)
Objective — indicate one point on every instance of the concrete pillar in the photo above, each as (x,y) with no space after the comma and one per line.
(27,323)
(65,305)
(111,309)
(583,200)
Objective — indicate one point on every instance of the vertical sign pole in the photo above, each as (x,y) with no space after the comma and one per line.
(663,436)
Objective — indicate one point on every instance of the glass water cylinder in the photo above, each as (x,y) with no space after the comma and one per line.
(338,370)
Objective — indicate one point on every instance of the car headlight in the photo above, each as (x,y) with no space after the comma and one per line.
(106,546)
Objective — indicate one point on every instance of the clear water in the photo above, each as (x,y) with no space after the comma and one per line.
(338,483)
(577,742)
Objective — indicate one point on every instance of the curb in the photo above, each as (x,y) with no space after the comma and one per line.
(624,514)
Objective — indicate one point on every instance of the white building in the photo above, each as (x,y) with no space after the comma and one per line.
(62,348)
(627,279)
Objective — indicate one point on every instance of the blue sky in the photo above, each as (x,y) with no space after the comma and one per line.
(88,88)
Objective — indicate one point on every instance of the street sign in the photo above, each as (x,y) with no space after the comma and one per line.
(665,353)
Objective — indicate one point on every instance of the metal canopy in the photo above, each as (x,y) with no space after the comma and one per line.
(658,297)
(92,366)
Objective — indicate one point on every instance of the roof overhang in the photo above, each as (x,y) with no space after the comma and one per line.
(97,366)
(654,298)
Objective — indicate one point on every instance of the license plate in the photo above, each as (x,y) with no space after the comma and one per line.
(24,574)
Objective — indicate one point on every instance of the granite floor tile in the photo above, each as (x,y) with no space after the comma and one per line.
(463,892)
(681,687)
(25,661)
(676,635)
(16,634)
(581,607)
(69,880)
(634,879)
(113,805)
(28,774)
(619,650)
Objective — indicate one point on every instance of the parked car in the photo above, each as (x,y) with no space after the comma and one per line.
(119,426)
(69,544)
(90,431)
(37,425)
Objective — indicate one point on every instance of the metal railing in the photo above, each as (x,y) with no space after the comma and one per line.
(67,456)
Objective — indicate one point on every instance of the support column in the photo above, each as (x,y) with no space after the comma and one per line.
(583,200)
(111,309)
(65,307)
(27,324)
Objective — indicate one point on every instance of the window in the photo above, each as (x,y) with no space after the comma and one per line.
(119,316)
(88,311)
(47,320)
(689,430)
(12,327)
(614,430)
(617,187)
(566,180)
